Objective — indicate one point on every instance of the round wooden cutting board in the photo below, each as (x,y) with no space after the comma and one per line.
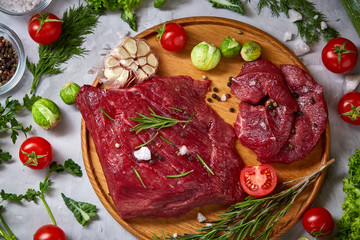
(214,30)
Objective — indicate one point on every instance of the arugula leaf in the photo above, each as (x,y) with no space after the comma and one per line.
(69,166)
(4,156)
(30,195)
(234,5)
(82,211)
(349,224)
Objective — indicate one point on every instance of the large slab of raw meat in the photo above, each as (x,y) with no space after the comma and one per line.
(207,135)
(289,131)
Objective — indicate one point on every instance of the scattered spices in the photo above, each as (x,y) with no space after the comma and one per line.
(275,104)
(209,100)
(190,158)
(218,98)
(299,113)
(151,162)
(223,98)
(8,61)
(215,89)
(295,95)
(204,77)
(232,110)
(117,145)
(214,96)
(270,107)
(228,95)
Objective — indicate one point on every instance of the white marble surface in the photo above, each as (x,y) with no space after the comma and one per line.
(65,138)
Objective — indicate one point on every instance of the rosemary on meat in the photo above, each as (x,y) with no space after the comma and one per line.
(145,143)
(205,165)
(106,114)
(138,175)
(155,121)
(254,218)
(76,23)
(179,175)
(176,109)
(169,142)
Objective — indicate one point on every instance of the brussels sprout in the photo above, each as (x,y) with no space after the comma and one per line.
(251,51)
(205,56)
(230,47)
(69,92)
(46,113)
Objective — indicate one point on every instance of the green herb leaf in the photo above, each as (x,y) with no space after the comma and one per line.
(29,101)
(82,211)
(167,141)
(11,196)
(234,5)
(107,115)
(159,3)
(69,166)
(138,175)
(4,156)
(179,175)
(205,165)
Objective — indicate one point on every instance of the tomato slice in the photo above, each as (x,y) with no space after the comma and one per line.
(258,181)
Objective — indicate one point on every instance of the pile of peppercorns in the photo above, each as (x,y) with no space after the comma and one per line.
(8,61)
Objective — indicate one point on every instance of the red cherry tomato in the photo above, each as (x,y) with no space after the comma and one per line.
(172,37)
(339,55)
(49,232)
(36,153)
(258,181)
(44,28)
(349,108)
(318,222)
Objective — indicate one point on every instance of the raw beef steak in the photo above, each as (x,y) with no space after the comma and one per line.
(207,136)
(311,119)
(263,130)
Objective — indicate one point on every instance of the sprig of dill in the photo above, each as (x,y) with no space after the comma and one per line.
(76,23)
(253,218)
(309,27)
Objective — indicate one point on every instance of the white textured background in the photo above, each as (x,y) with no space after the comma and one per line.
(65,138)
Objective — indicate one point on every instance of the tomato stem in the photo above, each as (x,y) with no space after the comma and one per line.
(354,113)
(341,50)
(9,235)
(42,197)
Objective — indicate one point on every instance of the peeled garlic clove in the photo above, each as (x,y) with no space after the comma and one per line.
(132,62)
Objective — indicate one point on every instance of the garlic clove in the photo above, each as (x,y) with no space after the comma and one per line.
(143,48)
(130,46)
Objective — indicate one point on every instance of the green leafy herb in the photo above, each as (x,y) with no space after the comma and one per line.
(310,26)
(173,144)
(254,218)
(147,141)
(29,101)
(349,224)
(159,3)
(174,108)
(107,115)
(138,175)
(179,175)
(205,165)
(234,5)
(156,121)
(76,23)
(29,196)
(126,7)
(4,156)
(8,122)
(82,211)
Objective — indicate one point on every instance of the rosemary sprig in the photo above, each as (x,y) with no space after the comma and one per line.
(76,23)
(155,121)
(254,218)
(176,109)
(205,165)
(145,143)
(138,175)
(106,114)
(179,175)
(169,142)
(309,27)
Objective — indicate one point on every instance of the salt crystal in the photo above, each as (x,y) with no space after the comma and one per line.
(200,217)
(208,224)
(19,5)
(287,36)
(183,150)
(143,154)
(301,47)
(323,25)
(294,15)
(175,235)
(316,17)
(223,98)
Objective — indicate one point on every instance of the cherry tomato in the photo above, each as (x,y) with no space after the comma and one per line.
(49,232)
(318,222)
(44,28)
(172,37)
(349,108)
(258,181)
(339,55)
(36,153)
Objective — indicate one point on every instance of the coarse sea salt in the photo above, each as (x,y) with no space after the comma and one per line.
(294,15)
(19,5)
(143,154)
(301,47)
(201,218)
